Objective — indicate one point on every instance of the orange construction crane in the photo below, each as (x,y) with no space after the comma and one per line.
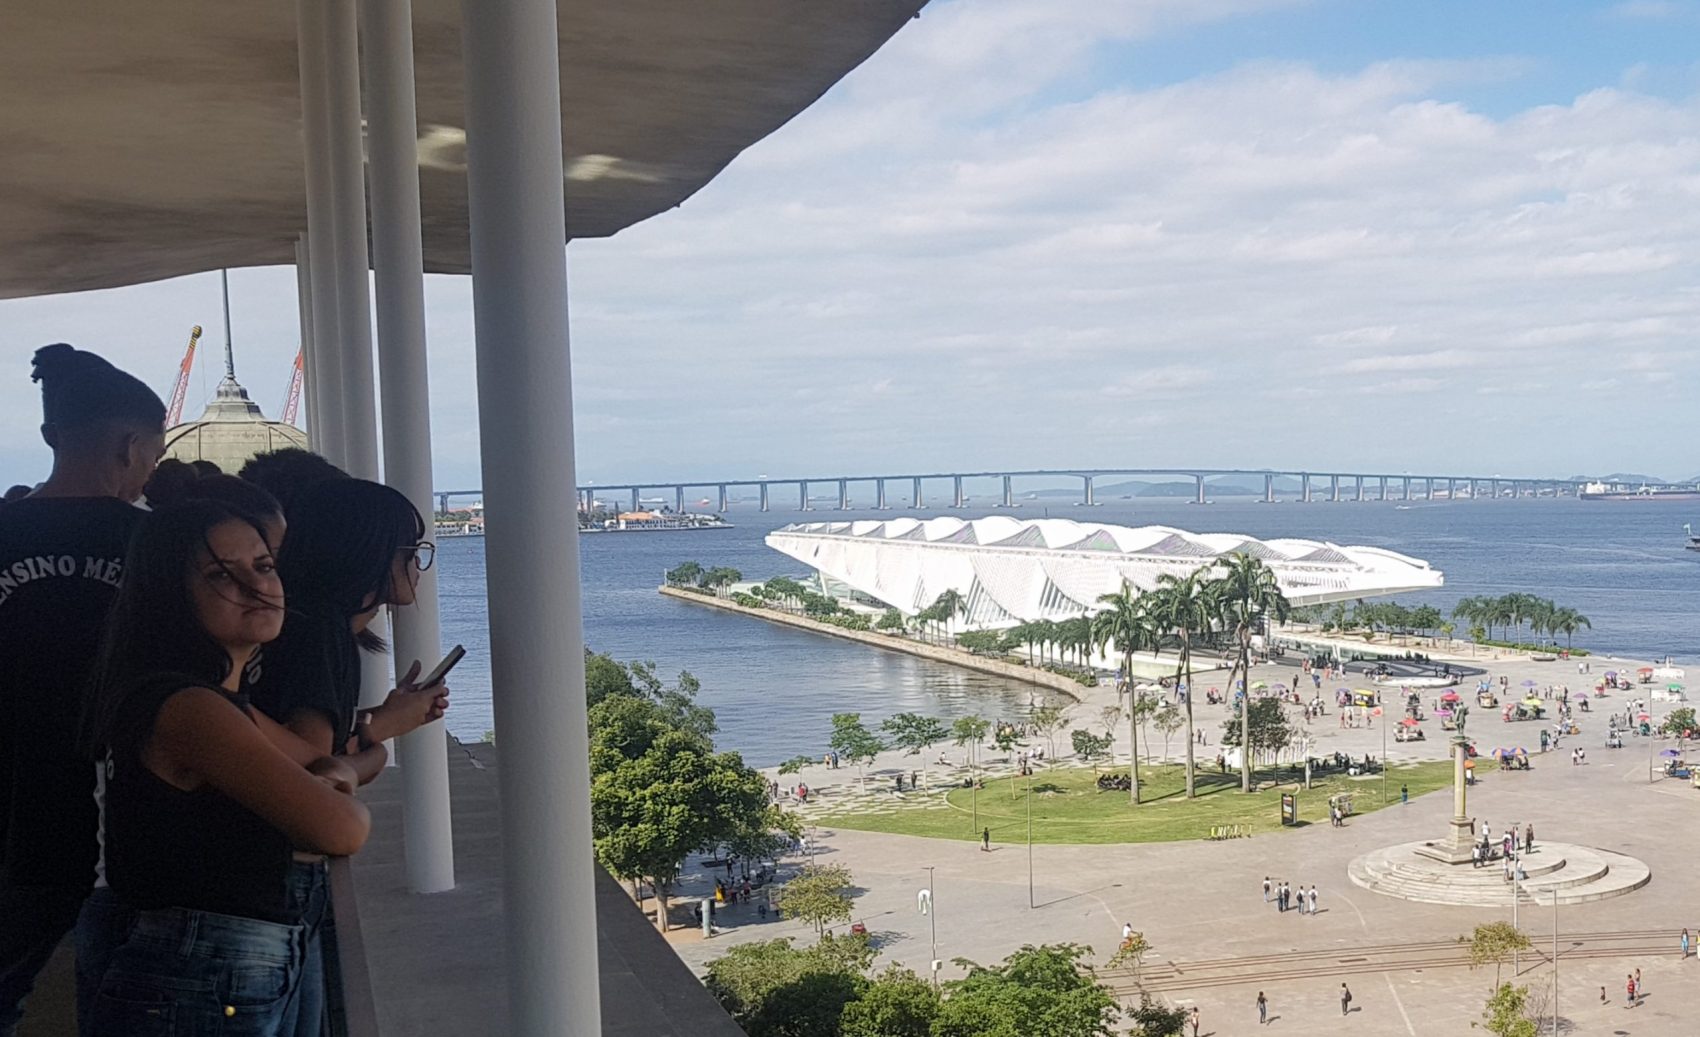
(174,413)
(292,403)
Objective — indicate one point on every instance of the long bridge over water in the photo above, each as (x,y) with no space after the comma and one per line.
(1313,486)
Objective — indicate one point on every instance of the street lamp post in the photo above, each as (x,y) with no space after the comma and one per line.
(1555,963)
(1030,903)
(933,919)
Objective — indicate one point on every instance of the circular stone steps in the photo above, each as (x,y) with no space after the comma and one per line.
(1573,874)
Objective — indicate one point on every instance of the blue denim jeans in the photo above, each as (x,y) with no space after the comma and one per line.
(102,928)
(184,973)
(311,896)
(33,919)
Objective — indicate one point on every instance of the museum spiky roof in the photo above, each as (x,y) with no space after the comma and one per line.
(1011,571)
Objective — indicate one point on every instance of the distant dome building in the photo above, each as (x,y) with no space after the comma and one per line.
(231,430)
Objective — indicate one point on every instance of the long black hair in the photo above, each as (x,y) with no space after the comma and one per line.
(342,540)
(84,398)
(155,643)
(289,472)
(239,494)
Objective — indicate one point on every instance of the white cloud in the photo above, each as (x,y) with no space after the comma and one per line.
(984,250)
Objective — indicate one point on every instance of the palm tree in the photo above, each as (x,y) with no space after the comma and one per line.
(1181,606)
(1566,621)
(1248,594)
(950,604)
(1123,624)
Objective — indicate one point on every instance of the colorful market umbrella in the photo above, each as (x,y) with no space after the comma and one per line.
(1670,753)
(1531,684)
(1409,722)
(1450,696)
(1673,686)
(1645,669)
(1259,685)
(1611,673)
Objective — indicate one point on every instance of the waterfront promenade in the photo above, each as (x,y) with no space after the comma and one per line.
(1201,900)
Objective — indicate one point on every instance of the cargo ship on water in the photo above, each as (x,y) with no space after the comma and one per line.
(1607,491)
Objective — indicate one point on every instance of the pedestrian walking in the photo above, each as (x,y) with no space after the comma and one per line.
(1193,1019)
(1640,991)
(985,840)
(1266,891)
(1685,945)
(1313,899)
(1475,855)
(1629,986)
(1262,1008)
(1345,999)
(1301,903)
(1404,794)
(1529,838)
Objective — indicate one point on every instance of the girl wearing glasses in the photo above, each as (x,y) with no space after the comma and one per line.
(351,547)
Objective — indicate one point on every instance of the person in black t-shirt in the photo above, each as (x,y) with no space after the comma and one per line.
(205,797)
(61,559)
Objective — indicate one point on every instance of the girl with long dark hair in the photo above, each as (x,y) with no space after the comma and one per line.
(352,547)
(204,797)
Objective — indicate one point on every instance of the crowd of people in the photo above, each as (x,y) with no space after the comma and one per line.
(181,740)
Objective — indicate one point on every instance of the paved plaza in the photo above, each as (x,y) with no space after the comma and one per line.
(1197,901)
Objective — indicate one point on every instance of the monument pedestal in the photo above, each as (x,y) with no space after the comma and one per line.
(1455,848)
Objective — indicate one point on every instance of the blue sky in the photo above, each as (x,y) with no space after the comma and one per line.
(1098,233)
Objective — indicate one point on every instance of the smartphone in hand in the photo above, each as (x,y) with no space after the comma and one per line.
(441,671)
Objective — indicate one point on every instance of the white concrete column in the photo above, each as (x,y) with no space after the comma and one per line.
(386,27)
(348,239)
(309,359)
(515,180)
(325,373)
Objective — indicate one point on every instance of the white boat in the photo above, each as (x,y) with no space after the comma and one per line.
(1693,541)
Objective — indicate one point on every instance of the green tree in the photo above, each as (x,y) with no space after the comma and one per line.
(1167,721)
(897,1003)
(981,642)
(971,732)
(1679,721)
(947,606)
(1506,1013)
(1089,746)
(1267,726)
(1248,595)
(891,619)
(820,894)
(659,792)
(684,574)
(852,741)
(1495,943)
(1043,991)
(915,734)
(1184,607)
(1048,720)
(1155,1019)
(1567,622)
(774,989)
(1125,626)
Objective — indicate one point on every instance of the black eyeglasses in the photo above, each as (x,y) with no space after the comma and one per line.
(424,553)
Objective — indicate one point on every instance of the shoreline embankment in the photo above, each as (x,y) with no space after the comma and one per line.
(894,643)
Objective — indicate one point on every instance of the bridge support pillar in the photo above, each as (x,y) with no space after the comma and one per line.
(843,495)
(442,502)
(1088,491)
(678,500)
(1334,488)
(1008,492)
(956,499)
(879,494)
(1304,487)
(803,497)
(723,500)
(1198,489)
(764,496)
(1269,489)
(634,498)
(915,500)
(1405,494)
(1358,490)
(1383,488)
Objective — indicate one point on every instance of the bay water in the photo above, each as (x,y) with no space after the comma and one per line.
(774,688)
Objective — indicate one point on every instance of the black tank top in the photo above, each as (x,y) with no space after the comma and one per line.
(199,850)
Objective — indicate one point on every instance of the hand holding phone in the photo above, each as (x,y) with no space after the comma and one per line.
(441,670)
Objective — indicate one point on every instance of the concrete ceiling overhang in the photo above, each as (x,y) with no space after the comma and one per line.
(145,140)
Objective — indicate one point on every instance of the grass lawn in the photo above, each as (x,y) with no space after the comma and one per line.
(1068,808)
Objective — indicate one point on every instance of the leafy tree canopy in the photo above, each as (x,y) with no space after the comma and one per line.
(1507,1013)
(912,732)
(774,989)
(1089,746)
(1042,991)
(897,1003)
(820,894)
(1269,727)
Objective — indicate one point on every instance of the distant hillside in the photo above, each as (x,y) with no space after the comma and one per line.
(1622,477)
